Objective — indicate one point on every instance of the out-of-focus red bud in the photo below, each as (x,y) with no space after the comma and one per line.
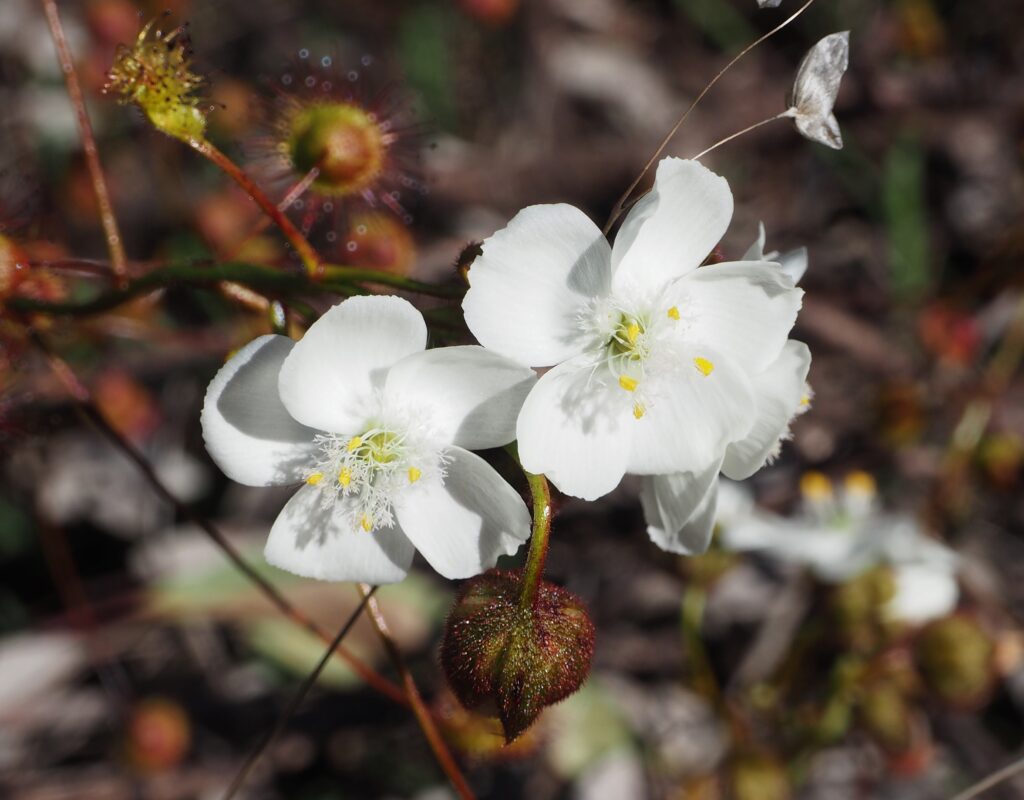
(493,12)
(949,334)
(159,735)
(520,659)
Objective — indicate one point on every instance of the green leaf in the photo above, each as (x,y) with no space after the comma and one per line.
(906,219)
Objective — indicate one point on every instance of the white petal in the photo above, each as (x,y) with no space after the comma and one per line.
(692,417)
(923,593)
(671,230)
(756,250)
(743,309)
(463,525)
(680,509)
(316,542)
(531,282)
(576,428)
(329,379)
(794,263)
(471,395)
(778,392)
(247,430)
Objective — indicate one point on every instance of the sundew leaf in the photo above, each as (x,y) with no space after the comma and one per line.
(906,218)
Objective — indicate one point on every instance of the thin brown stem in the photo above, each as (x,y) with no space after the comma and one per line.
(294,194)
(92,157)
(620,204)
(419,708)
(296,700)
(305,251)
(995,778)
(785,114)
(95,418)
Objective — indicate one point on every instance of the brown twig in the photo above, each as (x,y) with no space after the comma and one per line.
(115,244)
(296,700)
(412,693)
(995,778)
(94,417)
(303,248)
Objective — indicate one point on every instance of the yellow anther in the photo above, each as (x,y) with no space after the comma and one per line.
(633,333)
(860,482)
(354,443)
(805,400)
(414,474)
(705,366)
(815,486)
(628,383)
(345,477)
(673,313)
(315,478)
(365,523)
(638,410)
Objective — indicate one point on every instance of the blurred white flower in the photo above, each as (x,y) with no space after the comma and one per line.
(768,3)
(379,429)
(680,509)
(815,89)
(655,359)
(840,534)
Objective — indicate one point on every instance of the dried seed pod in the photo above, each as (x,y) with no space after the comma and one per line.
(520,658)
(815,89)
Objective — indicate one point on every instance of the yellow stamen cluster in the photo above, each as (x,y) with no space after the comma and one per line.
(155,75)
(860,482)
(815,486)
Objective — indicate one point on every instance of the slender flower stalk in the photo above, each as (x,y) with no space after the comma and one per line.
(620,204)
(115,244)
(310,260)
(297,698)
(784,115)
(415,700)
(535,560)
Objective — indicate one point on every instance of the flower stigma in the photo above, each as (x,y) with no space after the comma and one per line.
(369,470)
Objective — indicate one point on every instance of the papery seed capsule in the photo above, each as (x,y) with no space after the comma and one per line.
(521,659)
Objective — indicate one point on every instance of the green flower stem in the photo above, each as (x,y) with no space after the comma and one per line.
(263,279)
(533,572)
(692,619)
(360,275)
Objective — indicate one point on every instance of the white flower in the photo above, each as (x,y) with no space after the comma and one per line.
(379,431)
(654,357)
(680,509)
(816,87)
(841,534)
